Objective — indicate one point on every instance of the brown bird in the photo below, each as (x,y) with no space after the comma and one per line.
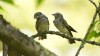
(63,26)
(42,24)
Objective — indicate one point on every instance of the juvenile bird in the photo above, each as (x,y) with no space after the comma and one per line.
(42,24)
(63,26)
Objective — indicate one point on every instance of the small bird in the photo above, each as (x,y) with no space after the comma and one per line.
(42,24)
(63,26)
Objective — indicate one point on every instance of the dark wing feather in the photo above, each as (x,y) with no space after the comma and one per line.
(37,25)
(71,41)
(72,29)
(68,26)
(47,21)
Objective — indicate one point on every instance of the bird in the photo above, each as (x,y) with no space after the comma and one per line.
(42,24)
(62,25)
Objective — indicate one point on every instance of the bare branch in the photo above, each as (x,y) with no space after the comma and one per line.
(90,27)
(93,3)
(20,43)
(99,11)
(26,46)
(65,36)
(5,49)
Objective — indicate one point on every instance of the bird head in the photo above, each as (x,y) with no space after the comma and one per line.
(57,15)
(37,15)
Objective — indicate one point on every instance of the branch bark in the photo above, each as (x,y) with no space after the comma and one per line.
(89,29)
(5,49)
(67,37)
(19,42)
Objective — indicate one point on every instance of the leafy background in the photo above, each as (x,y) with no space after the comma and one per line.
(78,13)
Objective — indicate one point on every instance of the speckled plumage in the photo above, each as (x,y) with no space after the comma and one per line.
(42,24)
(63,26)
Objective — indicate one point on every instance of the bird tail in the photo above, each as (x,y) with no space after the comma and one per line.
(42,37)
(71,41)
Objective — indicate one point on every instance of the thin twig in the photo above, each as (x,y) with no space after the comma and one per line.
(93,3)
(90,27)
(65,36)
(99,10)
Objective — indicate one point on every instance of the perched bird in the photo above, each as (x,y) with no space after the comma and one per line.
(63,26)
(42,24)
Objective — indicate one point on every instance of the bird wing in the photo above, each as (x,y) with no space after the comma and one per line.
(68,26)
(72,29)
(47,20)
(37,25)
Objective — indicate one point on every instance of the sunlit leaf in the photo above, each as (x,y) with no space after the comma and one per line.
(97,26)
(39,2)
(94,24)
(91,34)
(97,35)
(1,8)
(8,1)
(95,31)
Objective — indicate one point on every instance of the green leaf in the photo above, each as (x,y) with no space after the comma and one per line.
(97,35)
(8,1)
(91,34)
(39,2)
(95,23)
(97,26)
(1,8)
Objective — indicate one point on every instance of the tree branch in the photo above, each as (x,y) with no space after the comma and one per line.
(20,42)
(93,3)
(90,27)
(5,49)
(99,11)
(65,36)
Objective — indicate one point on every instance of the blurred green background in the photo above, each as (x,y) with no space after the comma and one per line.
(78,13)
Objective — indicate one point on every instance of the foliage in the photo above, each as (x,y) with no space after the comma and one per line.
(1,8)
(95,31)
(39,2)
(8,1)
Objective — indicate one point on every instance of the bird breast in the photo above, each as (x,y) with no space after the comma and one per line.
(60,26)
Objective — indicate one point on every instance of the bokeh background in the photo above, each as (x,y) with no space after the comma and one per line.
(78,14)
